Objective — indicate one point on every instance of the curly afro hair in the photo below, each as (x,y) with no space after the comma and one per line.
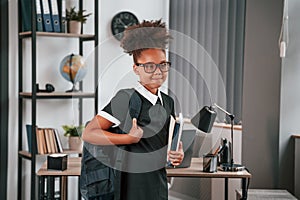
(146,35)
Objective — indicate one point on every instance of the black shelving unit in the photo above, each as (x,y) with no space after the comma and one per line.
(34,96)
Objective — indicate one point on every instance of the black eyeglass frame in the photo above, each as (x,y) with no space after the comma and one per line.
(160,65)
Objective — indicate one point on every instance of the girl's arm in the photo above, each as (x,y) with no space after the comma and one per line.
(96,133)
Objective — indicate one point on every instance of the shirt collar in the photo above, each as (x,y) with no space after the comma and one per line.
(148,95)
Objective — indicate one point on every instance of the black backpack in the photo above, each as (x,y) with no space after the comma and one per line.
(98,180)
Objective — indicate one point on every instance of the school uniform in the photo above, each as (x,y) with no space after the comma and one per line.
(143,174)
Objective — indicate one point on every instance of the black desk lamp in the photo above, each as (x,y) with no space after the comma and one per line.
(204,121)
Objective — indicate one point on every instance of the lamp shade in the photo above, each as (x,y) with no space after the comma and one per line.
(204,119)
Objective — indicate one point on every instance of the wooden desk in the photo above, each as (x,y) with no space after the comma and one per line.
(194,171)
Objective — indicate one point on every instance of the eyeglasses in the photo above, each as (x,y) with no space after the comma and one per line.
(151,67)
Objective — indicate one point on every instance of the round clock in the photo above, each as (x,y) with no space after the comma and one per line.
(121,21)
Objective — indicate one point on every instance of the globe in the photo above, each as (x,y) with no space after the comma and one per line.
(73,69)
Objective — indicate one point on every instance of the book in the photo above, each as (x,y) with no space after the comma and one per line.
(40,140)
(48,141)
(29,135)
(58,141)
(175,132)
(53,140)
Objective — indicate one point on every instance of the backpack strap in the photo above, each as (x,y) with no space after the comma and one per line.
(135,103)
(168,104)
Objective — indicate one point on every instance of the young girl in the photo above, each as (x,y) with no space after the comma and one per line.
(143,174)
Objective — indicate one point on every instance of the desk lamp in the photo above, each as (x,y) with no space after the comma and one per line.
(204,121)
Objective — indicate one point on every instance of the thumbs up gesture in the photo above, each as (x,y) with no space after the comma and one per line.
(135,133)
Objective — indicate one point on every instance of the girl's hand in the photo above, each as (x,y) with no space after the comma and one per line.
(135,133)
(176,157)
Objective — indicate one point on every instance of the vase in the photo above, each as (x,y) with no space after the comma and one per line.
(75,143)
(74,27)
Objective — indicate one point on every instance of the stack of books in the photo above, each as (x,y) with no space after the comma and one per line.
(47,140)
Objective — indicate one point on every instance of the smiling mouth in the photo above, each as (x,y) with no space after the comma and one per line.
(156,79)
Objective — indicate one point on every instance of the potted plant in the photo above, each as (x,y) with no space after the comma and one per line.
(75,19)
(74,133)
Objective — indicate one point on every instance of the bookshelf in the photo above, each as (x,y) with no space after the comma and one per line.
(33,97)
(59,95)
(52,34)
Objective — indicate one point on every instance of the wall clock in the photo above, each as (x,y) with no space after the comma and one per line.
(121,21)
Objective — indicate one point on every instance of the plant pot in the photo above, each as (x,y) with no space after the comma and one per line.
(74,27)
(75,143)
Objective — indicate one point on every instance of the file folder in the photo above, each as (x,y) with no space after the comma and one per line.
(26,9)
(26,15)
(54,15)
(39,20)
(62,15)
(46,16)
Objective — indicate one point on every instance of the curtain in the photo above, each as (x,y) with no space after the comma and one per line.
(207,55)
(3,96)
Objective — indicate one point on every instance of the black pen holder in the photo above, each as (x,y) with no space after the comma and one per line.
(57,162)
(210,162)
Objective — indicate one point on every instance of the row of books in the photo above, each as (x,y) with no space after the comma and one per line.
(50,15)
(47,140)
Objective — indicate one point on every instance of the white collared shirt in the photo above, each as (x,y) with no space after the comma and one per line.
(148,95)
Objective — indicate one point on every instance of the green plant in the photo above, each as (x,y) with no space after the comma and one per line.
(79,15)
(73,131)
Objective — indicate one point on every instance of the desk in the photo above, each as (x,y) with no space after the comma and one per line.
(194,171)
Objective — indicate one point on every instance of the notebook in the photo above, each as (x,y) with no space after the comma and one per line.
(187,138)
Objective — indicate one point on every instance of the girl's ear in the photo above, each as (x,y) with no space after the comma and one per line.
(135,69)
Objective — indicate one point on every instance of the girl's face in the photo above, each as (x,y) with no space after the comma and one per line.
(151,81)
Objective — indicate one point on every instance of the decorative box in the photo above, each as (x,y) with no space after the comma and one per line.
(57,161)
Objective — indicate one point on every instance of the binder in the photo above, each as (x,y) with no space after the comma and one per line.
(62,15)
(26,9)
(54,15)
(47,24)
(26,15)
(39,20)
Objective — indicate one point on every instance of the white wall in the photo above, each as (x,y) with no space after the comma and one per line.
(50,51)
(112,58)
